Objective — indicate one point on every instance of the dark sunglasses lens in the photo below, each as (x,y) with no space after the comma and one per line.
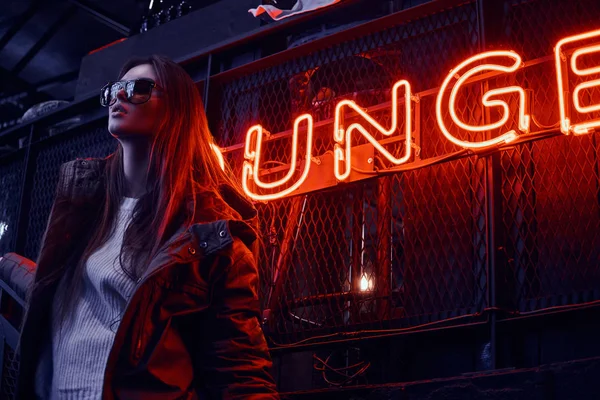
(141,91)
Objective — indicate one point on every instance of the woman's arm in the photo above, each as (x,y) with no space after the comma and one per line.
(232,359)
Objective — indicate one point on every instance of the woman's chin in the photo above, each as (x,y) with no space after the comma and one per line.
(118,128)
(122,132)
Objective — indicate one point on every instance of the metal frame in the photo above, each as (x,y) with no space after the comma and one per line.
(50,32)
(21,21)
(105,18)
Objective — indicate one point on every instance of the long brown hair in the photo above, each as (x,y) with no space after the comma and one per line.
(181,162)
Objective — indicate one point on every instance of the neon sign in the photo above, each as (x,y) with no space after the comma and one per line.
(523,117)
(252,154)
(505,62)
(341,135)
(562,74)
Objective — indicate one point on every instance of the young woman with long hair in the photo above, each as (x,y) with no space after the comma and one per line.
(146,284)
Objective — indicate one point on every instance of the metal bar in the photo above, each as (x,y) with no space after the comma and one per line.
(494,221)
(102,16)
(22,20)
(24,198)
(4,288)
(356,336)
(55,80)
(2,362)
(288,242)
(44,40)
(357,246)
(384,247)
(357,237)
(596,143)
(11,334)
(490,18)
(417,129)
(207,82)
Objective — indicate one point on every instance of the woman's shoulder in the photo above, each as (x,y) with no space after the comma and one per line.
(81,165)
(80,176)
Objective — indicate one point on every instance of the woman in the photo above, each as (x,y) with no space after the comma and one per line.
(146,283)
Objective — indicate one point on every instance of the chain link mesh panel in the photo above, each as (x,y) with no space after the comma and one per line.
(412,248)
(11,182)
(87,141)
(550,191)
(393,252)
(10,370)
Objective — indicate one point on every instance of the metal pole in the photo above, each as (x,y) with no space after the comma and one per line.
(384,248)
(102,16)
(207,82)
(490,17)
(22,221)
(357,249)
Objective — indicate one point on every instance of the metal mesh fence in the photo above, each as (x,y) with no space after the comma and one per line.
(11,177)
(396,251)
(88,141)
(10,370)
(550,189)
(413,247)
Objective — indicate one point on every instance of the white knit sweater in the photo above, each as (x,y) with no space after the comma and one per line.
(80,351)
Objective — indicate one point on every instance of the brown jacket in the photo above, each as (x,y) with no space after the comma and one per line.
(191,328)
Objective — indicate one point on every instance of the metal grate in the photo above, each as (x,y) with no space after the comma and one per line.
(10,370)
(420,239)
(416,241)
(363,69)
(87,141)
(11,178)
(551,210)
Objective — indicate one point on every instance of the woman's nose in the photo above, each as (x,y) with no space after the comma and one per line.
(121,95)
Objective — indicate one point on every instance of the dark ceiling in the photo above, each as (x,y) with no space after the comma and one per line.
(42,42)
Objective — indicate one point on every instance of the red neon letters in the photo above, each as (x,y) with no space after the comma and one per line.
(523,116)
(250,168)
(342,136)
(574,117)
(562,74)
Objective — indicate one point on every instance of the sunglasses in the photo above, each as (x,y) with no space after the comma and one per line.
(138,91)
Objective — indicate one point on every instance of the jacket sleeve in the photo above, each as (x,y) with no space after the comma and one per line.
(17,272)
(234,358)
